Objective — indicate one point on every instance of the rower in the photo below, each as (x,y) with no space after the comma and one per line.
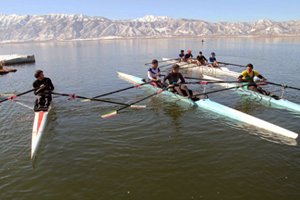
(153,74)
(201,60)
(248,76)
(175,82)
(45,87)
(181,55)
(188,57)
(213,61)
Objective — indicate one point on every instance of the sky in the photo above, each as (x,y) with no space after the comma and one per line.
(209,10)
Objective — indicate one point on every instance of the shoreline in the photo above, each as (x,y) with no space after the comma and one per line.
(172,37)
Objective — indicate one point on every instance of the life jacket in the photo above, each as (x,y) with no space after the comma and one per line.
(151,70)
(181,55)
(173,79)
(250,76)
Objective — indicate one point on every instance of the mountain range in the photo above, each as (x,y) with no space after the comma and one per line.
(61,27)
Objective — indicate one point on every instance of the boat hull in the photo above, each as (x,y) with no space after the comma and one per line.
(39,124)
(204,69)
(221,109)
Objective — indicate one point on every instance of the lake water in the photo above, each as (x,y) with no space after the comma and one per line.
(168,150)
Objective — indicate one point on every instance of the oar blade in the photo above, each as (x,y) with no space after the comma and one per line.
(85,100)
(6,94)
(109,114)
(138,106)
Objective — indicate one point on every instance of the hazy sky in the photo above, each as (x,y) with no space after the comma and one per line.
(209,10)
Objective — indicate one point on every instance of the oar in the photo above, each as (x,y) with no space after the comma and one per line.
(238,86)
(210,82)
(190,66)
(180,66)
(163,61)
(6,94)
(102,95)
(235,87)
(112,113)
(165,65)
(232,64)
(15,96)
(101,100)
(281,85)
(200,79)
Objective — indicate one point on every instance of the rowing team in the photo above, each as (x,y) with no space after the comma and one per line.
(200,60)
(175,81)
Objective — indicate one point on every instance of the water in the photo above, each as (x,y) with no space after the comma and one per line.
(166,151)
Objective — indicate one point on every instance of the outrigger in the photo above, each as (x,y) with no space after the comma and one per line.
(278,102)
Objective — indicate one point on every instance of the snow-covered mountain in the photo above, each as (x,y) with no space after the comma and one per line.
(23,28)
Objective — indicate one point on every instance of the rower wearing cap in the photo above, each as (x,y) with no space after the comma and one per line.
(201,60)
(175,80)
(181,55)
(213,61)
(188,57)
(248,76)
(154,74)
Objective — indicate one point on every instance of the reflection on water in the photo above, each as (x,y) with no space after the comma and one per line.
(248,105)
(170,108)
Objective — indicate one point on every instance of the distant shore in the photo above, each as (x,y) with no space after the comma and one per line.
(172,37)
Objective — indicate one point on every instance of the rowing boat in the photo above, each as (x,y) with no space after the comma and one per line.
(219,109)
(204,68)
(39,124)
(277,103)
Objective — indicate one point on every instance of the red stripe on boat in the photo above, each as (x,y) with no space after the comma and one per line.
(41,114)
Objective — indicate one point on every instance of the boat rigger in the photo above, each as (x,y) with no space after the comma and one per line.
(280,103)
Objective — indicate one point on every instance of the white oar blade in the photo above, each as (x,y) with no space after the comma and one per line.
(85,100)
(6,94)
(138,106)
(225,69)
(110,114)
